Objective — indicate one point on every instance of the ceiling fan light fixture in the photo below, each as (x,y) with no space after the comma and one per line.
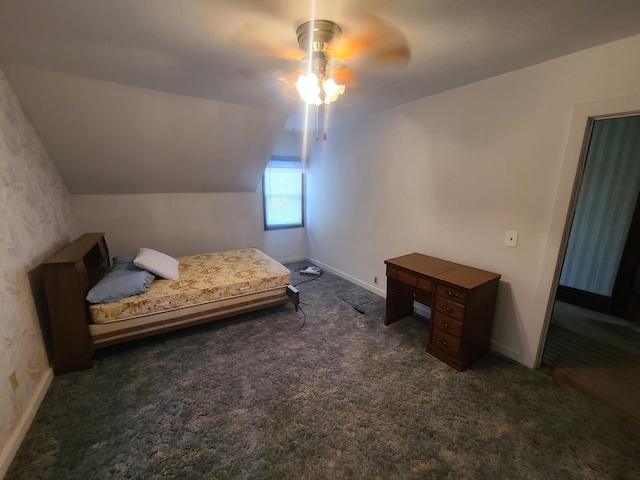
(331,90)
(308,88)
(315,39)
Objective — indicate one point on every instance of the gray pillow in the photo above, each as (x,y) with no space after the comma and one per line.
(125,261)
(120,283)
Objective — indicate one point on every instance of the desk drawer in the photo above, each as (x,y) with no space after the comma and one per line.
(445,342)
(449,308)
(452,293)
(425,284)
(447,324)
(403,276)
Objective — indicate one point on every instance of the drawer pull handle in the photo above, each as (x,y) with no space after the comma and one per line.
(445,344)
(446,325)
(449,309)
(452,294)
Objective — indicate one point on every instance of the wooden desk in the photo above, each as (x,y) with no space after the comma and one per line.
(462,301)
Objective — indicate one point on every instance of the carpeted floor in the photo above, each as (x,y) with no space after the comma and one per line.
(596,354)
(342,397)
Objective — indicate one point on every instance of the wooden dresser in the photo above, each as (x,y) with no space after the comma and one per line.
(75,268)
(462,301)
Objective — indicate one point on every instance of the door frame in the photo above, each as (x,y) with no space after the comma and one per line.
(616,303)
(568,186)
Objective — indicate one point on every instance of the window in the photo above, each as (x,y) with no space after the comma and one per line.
(283,192)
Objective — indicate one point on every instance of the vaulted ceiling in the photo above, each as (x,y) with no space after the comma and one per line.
(141,96)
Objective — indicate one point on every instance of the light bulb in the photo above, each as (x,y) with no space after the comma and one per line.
(331,90)
(307,86)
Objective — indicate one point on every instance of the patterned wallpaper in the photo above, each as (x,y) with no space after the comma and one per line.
(35,221)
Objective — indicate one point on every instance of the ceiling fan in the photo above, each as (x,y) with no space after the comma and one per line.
(318,86)
(330,55)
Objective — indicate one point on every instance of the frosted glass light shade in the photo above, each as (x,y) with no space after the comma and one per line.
(331,90)
(308,88)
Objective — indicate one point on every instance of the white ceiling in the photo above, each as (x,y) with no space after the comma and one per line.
(160,96)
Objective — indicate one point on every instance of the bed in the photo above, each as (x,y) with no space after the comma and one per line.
(209,286)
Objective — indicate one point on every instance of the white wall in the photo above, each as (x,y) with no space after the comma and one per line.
(447,175)
(35,221)
(188,223)
(110,138)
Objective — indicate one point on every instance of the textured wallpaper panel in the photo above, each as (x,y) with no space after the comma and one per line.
(35,221)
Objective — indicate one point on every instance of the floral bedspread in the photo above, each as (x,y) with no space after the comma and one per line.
(203,278)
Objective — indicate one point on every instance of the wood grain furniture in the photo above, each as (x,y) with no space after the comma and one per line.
(75,269)
(462,301)
(67,274)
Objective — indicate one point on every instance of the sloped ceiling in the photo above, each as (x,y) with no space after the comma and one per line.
(136,96)
(110,138)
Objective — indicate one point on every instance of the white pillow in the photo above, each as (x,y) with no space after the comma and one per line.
(157,263)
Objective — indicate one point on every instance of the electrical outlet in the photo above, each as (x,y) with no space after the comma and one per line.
(511,238)
(375,279)
(13,380)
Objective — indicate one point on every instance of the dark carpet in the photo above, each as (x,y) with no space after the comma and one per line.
(344,396)
(608,370)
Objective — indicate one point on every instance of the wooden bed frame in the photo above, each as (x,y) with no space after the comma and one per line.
(71,272)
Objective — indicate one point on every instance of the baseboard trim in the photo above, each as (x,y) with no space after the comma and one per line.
(11,448)
(291,260)
(371,288)
(508,352)
(422,310)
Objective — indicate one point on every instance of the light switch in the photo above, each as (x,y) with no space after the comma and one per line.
(511,238)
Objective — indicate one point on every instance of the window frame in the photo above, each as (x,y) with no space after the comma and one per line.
(302,196)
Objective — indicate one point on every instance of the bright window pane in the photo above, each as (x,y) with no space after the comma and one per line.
(283,192)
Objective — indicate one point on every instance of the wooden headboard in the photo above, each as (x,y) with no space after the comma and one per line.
(69,274)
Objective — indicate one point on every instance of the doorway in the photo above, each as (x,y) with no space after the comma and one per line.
(603,251)
(593,337)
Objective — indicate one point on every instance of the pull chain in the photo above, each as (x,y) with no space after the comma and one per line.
(324,123)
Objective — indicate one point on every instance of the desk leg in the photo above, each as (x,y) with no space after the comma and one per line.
(399,302)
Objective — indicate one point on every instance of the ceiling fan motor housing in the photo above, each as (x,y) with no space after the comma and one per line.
(316,36)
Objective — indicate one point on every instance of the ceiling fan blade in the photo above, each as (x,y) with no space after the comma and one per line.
(266,37)
(344,76)
(368,40)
